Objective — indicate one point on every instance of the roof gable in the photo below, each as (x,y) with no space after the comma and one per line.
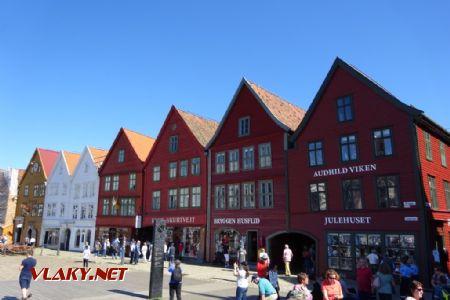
(140,143)
(48,159)
(374,86)
(284,114)
(98,155)
(203,129)
(71,160)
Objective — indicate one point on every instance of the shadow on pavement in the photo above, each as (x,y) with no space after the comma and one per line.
(10,298)
(131,294)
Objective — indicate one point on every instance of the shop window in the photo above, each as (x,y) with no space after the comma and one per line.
(183,168)
(227,240)
(340,251)
(132,182)
(173,169)
(233,196)
(352,194)
(265,155)
(388,192)
(196,196)
(318,196)
(191,241)
(315,150)
(382,140)
(248,193)
(443,154)
(184,197)
(107,183)
(233,160)
(428,149)
(366,243)
(399,245)
(220,163)
(195,166)
(156,173)
(348,148)
(219,195)
(344,109)
(433,194)
(248,154)
(156,200)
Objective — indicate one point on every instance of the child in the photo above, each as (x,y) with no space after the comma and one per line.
(273,278)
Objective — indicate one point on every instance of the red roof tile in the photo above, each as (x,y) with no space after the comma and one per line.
(203,129)
(71,160)
(48,160)
(142,144)
(98,155)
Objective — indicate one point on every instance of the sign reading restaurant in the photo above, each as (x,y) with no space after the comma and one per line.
(346,170)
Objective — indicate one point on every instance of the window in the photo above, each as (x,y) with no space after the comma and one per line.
(340,251)
(173,144)
(90,211)
(382,141)
(85,190)
(244,126)
(219,195)
(173,169)
(114,206)
(49,210)
(78,238)
(447,194)
(220,163)
(443,154)
(92,189)
(433,194)
(172,198)
(387,192)
(26,190)
(76,193)
(61,210)
(318,196)
(35,190)
(34,210)
(265,155)
(315,150)
(196,196)
(75,212)
(428,150)
(121,156)
(265,194)
(184,197)
(115,186)
(132,182)
(233,160)
(83,212)
(107,183)
(195,166)
(86,168)
(352,194)
(344,109)
(64,189)
(249,158)
(156,173)
(105,209)
(183,168)
(156,200)
(53,209)
(127,207)
(348,148)
(248,190)
(233,196)
(42,189)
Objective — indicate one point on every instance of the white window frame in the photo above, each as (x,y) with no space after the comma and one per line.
(265,155)
(220,162)
(184,165)
(196,196)
(195,166)
(248,158)
(173,170)
(266,199)
(234,199)
(233,160)
(115,183)
(172,199)
(156,173)
(184,198)
(244,126)
(156,200)
(248,195)
(121,156)
(220,197)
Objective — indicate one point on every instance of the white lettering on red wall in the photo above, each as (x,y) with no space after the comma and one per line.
(240,221)
(178,220)
(347,220)
(346,170)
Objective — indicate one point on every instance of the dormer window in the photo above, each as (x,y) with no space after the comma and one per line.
(173,144)
(121,156)
(244,126)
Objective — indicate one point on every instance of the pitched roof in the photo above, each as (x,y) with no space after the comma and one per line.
(203,129)
(283,113)
(48,159)
(374,86)
(71,160)
(142,144)
(98,155)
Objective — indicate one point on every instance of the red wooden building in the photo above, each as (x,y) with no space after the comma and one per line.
(176,181)
(120,191)
(248,158)
(359,180)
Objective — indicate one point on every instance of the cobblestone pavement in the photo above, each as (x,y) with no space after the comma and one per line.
(200,281)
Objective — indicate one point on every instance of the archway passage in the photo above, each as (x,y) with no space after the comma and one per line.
(298,243)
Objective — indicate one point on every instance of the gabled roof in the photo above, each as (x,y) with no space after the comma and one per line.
(141,144)
(48,160)
(374,86)
(71,160)
(203,129)
(98,155)
(284,114)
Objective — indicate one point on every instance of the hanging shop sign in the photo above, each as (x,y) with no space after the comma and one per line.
(411,219)
(240,221)
(346,170)
(347,220)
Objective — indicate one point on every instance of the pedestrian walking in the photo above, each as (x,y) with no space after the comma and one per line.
(265,288)
(364,279)
(137,252)
(86,254)
(176,279)
(287,258)
(241,272)
(144,249)
(262,266)
(386,282)
(25,273)
(273,278)
(171,253)
(132,249)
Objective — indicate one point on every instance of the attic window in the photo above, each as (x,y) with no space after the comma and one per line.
(344,109)
(244,126)
(173,144)
(121,156)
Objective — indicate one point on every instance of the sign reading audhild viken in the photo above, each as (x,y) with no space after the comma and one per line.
(346,170)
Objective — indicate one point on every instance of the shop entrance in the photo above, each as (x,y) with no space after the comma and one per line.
(301,245)
(252,242)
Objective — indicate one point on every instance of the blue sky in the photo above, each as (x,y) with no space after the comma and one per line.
(73,72)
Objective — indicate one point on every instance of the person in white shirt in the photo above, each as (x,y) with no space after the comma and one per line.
(86,254)
(373,260)
(287,258)
(241,274)
(144,251)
